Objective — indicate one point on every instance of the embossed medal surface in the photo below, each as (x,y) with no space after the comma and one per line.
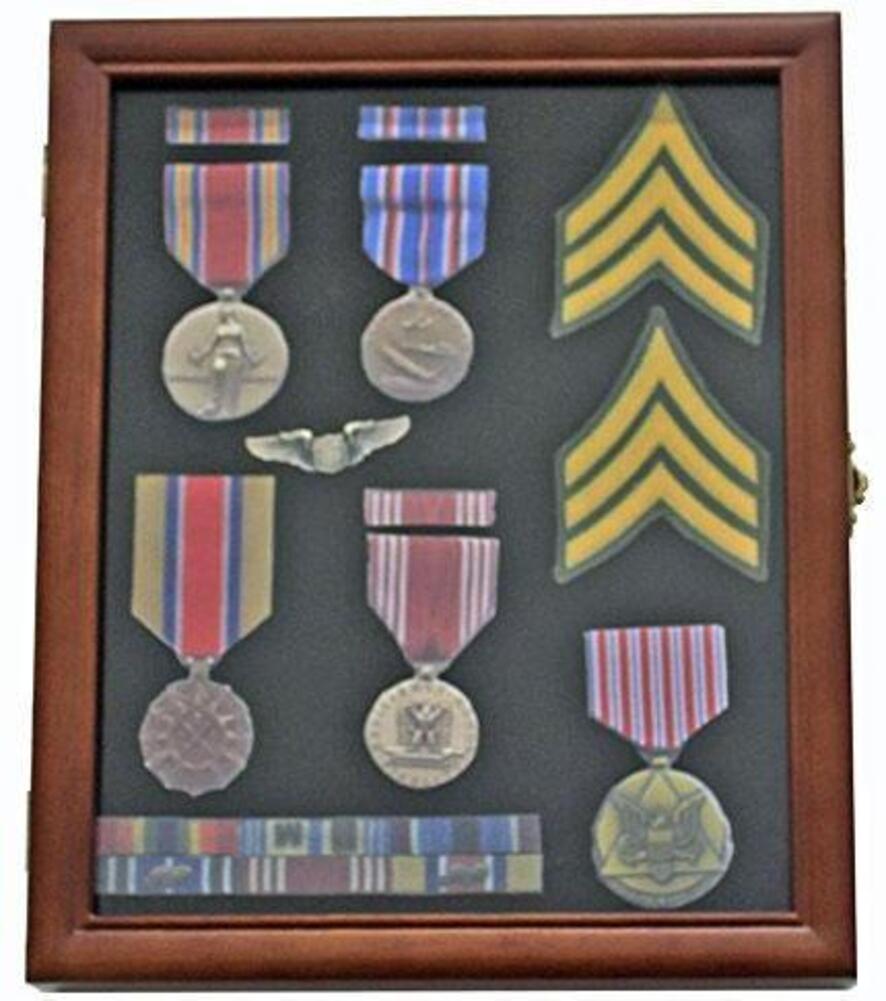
(435,593)
(201,582)
(422,732)
(422,224)
(197,736)
(660,839)
(224,360)
(417,348)
(226,224)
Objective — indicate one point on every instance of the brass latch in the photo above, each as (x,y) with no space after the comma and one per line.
(858,487)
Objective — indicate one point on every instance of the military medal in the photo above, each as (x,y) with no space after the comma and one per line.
(422,224)
(661,839)
(201,581)
(434,593)
(226,224)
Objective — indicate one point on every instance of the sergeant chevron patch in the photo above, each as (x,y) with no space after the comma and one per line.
(662,209)
(661,446)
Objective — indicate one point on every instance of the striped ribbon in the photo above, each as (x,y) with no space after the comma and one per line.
(227,126)
(202,559)
(423,222)
(450,123)
(461,508)
(226,223)
(657,685)
(433,592)
(217,875)
(495,834)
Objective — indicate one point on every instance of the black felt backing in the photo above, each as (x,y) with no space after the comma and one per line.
(310,673)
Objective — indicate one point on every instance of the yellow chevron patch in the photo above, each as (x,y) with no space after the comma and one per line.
(661,447)
(662,210)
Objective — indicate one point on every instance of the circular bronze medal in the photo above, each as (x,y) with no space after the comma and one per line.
(661,839)
(417,348)
(422,733)
(224,360)
(196,736)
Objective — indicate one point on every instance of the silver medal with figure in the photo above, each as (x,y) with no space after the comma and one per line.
(422,733)
(224,360)
(417,348)
(197,736)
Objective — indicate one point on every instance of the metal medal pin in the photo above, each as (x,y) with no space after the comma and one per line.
(660,839)
(422,224)
(435,594)
(201,582)
(226,224)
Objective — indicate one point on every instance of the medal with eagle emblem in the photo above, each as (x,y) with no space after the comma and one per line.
(422,224)
(435,593)
(201,582)
(660,840)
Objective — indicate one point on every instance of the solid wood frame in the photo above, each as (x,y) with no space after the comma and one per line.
(814,942)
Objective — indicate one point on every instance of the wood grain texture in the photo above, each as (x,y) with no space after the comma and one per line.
(812,944)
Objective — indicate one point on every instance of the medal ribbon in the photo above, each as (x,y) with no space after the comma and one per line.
(453,123)
(433,592)
(424,222)
(227,126)
(461,508)
(227,223)
(656,685)
(202,560)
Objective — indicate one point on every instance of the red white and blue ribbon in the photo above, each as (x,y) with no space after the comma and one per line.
(385,875)
(466,834)
(202,559)
(424,222)
(226,223)
(433,592)
(227,126)
(410,122)
(459,508)
(656,685)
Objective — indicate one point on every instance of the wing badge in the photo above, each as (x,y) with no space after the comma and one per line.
(661,446)
(662,210)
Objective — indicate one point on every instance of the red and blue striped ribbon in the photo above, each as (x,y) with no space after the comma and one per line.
(657,685)
(202,559)
(385,875)
(243,126)
(424,222)
(466,834)
(410,122)
(226,223)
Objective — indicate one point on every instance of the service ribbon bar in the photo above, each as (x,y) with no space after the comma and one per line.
(435,593)
(452,123)
(202,561)
(459,508)
(656,685)
(227,223)
(391,875)
(254,837)
(423,222)
(227,126)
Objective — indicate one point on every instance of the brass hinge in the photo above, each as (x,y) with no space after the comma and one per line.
(858,486)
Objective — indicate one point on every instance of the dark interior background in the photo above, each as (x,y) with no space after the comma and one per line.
(311,672)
